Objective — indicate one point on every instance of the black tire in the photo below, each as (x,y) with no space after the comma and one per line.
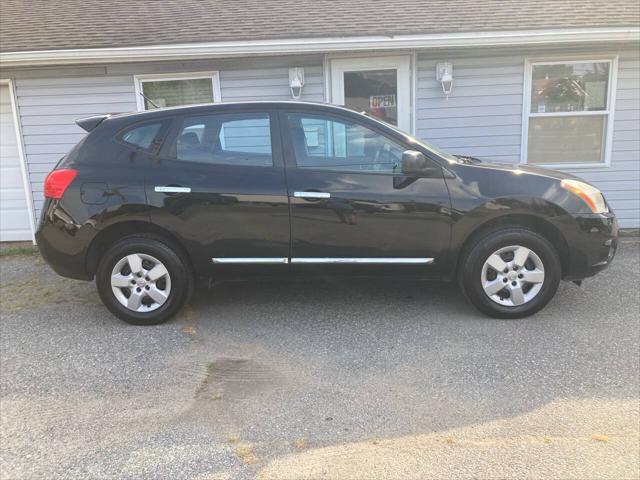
(176,265)
(474,258)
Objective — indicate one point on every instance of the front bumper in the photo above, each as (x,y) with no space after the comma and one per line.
(592,244)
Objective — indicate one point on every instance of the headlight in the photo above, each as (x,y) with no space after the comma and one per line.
(590,195)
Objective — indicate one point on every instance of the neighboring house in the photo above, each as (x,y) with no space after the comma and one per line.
(555,83)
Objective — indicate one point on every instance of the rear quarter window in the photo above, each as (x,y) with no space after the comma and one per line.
(144,136)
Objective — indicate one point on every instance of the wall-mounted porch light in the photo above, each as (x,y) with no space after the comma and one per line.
(444,74)
(296,81)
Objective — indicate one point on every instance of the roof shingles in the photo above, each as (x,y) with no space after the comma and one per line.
(65,24)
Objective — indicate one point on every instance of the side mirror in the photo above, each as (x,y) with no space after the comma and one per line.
(413,162)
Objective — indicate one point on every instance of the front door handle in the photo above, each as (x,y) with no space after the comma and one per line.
(311,195)
(172,189)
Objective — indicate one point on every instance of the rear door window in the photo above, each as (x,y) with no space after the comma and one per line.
(242,139)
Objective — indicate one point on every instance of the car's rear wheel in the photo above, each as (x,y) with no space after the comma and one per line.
(143,281)
(510,273)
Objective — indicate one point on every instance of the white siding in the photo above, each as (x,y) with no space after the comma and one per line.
(483,117)
(14,210)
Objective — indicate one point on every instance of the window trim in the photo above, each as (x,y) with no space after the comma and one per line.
(167,77)
(529,63)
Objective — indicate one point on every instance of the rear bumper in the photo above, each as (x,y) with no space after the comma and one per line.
(62,244)
(592,242)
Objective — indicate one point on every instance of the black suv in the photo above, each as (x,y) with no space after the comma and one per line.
(150,203)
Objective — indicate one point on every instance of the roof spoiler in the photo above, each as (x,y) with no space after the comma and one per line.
(89,123)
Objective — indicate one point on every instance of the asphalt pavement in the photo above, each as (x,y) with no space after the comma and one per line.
(327,379)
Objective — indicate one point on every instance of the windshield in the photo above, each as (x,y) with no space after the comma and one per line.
(436,151)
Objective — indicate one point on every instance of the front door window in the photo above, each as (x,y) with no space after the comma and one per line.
(334,144)
(379,86)
(374,92)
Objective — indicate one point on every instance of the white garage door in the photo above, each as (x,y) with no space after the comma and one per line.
(14,210)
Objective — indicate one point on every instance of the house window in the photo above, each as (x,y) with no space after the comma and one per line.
(159,91)
(568,112)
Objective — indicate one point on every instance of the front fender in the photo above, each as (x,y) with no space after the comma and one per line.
(519,210)
(483,198)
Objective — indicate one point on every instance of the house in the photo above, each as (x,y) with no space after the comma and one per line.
(553,83)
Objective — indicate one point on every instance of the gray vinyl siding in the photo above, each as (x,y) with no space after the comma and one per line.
(621,180)
(48,109)
(483,117)
(269,84)
(50,100)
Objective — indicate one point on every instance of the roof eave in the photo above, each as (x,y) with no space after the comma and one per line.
(317,45)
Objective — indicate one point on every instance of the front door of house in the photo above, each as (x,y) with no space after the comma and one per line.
(379,86)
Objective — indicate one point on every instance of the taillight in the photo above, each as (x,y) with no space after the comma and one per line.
(57,182)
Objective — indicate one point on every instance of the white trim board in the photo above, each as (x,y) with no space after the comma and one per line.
(318,45)
(414,93)
(26,184)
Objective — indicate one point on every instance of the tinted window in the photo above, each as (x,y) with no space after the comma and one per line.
(142,136)
(334,144)
(229,139)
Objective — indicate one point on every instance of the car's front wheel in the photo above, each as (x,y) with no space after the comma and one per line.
(510,273)
(142,280)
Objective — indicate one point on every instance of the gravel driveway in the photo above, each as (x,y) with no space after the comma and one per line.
(332,379)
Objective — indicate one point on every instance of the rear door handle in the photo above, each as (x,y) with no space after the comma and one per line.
(311,194)
(172,189)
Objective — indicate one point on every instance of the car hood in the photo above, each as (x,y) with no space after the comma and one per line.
(519,169)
